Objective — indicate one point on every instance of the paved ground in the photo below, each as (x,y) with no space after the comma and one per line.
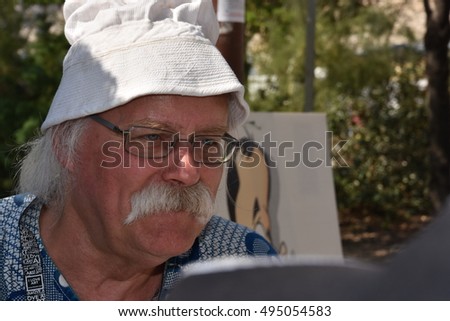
(367,239)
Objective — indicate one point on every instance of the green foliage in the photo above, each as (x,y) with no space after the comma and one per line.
(370,95)
(387,133)
(273,23)
(30,69)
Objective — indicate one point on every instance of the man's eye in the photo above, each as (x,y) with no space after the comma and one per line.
(209,141)
(151,137)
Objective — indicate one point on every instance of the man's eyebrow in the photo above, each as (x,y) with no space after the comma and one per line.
(151,123)
(216,129)
(213,130)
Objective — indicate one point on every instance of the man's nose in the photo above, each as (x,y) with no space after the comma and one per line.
(182,169)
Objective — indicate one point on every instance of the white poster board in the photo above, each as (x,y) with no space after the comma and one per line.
(288,194)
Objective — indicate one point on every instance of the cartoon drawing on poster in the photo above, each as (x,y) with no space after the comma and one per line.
(249,187)
(281,183)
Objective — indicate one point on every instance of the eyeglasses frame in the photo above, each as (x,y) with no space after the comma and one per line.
(235,143)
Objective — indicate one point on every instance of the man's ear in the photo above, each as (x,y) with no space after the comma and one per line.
(62,152)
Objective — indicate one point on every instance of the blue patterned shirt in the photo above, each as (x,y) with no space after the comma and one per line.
(20,213)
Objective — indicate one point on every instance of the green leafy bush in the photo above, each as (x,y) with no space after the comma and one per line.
(371,92)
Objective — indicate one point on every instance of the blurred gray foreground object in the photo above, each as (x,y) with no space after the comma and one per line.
(291,278)
(420,271)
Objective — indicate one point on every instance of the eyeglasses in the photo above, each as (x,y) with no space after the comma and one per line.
(155,143)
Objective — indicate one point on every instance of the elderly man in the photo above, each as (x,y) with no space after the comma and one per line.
(117,194)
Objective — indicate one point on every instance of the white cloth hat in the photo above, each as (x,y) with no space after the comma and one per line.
(124,49)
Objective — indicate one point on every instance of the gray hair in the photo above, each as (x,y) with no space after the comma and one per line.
(41,172)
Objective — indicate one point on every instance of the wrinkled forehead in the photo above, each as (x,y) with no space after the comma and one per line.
(175,113)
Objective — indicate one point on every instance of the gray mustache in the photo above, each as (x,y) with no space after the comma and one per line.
(165,198)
